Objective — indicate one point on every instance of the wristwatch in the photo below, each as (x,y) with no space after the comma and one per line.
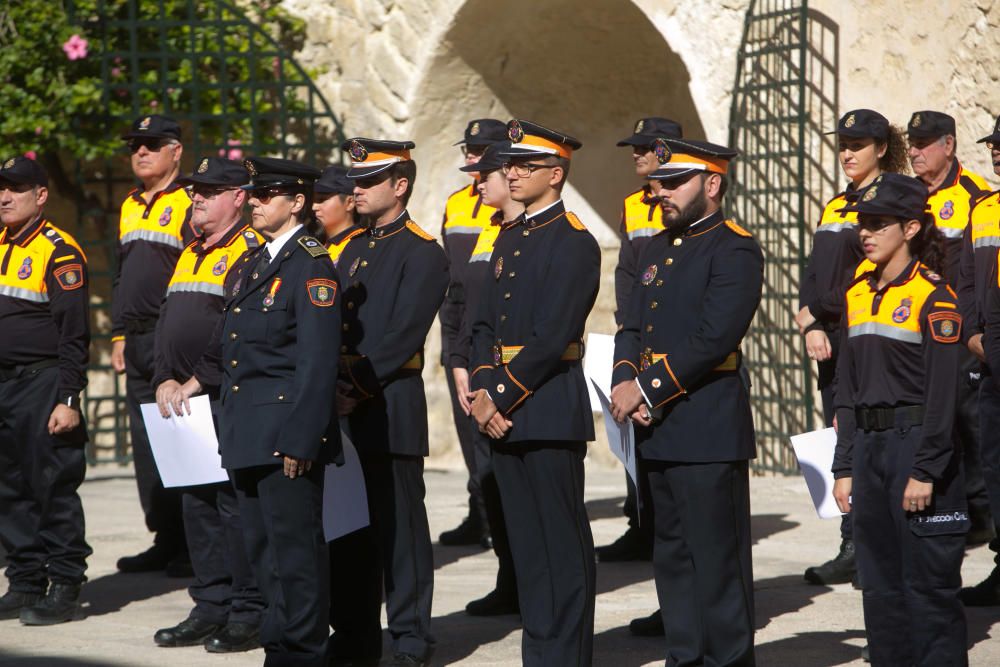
(72,401)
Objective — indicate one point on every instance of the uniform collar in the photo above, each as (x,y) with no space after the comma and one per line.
(392,227)
(905,276)
(545,215)
(951,179)
(340,236)
(237,229)
(136,194)
(708,223)
(29,232)
(275,246)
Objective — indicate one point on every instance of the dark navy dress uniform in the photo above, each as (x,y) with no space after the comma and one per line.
(526,353)
(45,318)
(394,277)
(896,397)
(279,355)
(692,304)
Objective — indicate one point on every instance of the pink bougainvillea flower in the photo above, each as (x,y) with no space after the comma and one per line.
(38,130)
(116,71)
(75,48)
(153,104)
(235,152)
(31,155)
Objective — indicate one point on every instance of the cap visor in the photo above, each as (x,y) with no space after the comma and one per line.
(873,208)
(207,180)
(523,153)
(636,140)
(995,138)
(365,172)
(670,174)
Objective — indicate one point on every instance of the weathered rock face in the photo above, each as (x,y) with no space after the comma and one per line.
(419,69)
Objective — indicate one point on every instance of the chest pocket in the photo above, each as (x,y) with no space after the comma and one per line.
(268,323)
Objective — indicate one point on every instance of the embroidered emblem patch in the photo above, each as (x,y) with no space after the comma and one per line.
(662,151)
(357,151)
(322,292)
(515,132)
(649,274)
(850,121)
(203,167)
(498,269)
(946,327)
(70,277)
(221,265)
(165,216)
(948,210)
(354,266)
(25,270)
(902,312)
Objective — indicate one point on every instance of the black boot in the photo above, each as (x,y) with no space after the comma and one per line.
(467,533)
(648,626)
(234,638)
(494,603)
(13,602)
(839,570)
(189,632)
(59,605)
(984,594)
(632,545)
(152,559)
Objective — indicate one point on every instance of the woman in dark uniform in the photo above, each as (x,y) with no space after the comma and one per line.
(867,146)
(896,464)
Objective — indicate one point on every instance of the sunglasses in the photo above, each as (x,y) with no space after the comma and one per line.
(265,195)
(209,191)
(152,145)
(475,151)
(877,223)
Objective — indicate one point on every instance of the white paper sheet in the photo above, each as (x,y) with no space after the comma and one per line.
(598,364)
(186,448)
(345,501)
(815,454)
(621,437)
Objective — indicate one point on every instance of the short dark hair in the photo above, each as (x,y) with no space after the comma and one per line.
(561,162)
(405,169)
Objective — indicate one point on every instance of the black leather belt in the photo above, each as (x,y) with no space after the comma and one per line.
(14,372)
(882,419)
(140,326)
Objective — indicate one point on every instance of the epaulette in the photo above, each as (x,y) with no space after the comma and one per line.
(251,240)
(983,196)
(356,232)
(52,235)
(930,275)
(574,222)
(313,247)
(737,229)
(415,228)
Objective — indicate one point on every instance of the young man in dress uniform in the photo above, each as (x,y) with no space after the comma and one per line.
(280,341)
(395,277)
(677,375)
(977,279)
(465,216)
(531,395)
(333,205)
(43,368)
(155,227)
(228,606)
(953,190)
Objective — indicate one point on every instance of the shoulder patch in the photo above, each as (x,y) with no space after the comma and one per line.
(930,275)
(322,292)
(251,239)
(736,228)
(574,222)
(415,228)
(946,327)
(69,277)
(313,247)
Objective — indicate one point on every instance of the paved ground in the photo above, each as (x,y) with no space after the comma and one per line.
(798,625)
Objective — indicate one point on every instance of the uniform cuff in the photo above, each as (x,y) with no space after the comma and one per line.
(509,391)
(659,384)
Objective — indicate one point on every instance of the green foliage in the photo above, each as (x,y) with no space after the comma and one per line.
(54,105)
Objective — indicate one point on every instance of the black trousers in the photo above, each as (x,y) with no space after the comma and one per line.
(541,486)
(225,589)
(41,516)
(827,373)
(909,563)
(161,506)
(640,515)
(989,416)
(394,554)
(967,426)
(283,532)
(467,431)
(701,561)
(506,583)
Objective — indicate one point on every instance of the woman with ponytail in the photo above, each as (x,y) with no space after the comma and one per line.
(896,466)
(867,146)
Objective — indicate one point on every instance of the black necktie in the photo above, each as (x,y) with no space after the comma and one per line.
(265,259)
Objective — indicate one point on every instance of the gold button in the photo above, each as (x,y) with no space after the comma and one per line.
(656,383)
(281,397)
(323,439)
(653,304)
(343,349)
(350,305)
(670,260)
(512,274)
(503,318)
(525,232)
(371,244)
(236,310)
(501,388)
(364,262)
(264,309)
(506,295)
(649,328)
(677,241)
(254,276)
(659,283)
(517,253)
(648,350)
(346,326)
(233,336)
(236,388)
(234,363)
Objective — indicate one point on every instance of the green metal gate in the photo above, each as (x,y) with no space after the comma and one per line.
(230,80)
(785,98)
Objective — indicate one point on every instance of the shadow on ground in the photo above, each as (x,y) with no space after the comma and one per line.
(37,660)
(816,649)
(617,646)
(459,635)
(111,593)
(782,595)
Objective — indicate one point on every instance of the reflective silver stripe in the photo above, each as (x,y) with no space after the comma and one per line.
(205,288)
(481,257)
(21,293)
(460,229)
(155,237)
(836,227)
(951,232)
(886,330)
(987,242)
(643,232)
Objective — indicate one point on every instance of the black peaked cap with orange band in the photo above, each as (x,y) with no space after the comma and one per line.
(681,157)
(531,140)
(372,156)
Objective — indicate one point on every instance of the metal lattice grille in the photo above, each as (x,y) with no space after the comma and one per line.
(784,99)
(235,89)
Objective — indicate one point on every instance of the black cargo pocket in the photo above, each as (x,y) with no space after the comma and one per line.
(943,522)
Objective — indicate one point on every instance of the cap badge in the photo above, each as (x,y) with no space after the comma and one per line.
(850,121)
(515,132)
(638,126)
(474,130)
(203,167)
(357,151)
(144,123)
(251,169)
(902,313)
(916,120)
(649,274)
(9,164)
(662,151)
(871,194)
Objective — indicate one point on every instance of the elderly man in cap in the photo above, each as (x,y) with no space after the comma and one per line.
(465,216)
(678,376)
(397,276)
(280,342)
(154,228)
(333,206)
(43,368)
(978,278)
(530,396)
(228,606)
